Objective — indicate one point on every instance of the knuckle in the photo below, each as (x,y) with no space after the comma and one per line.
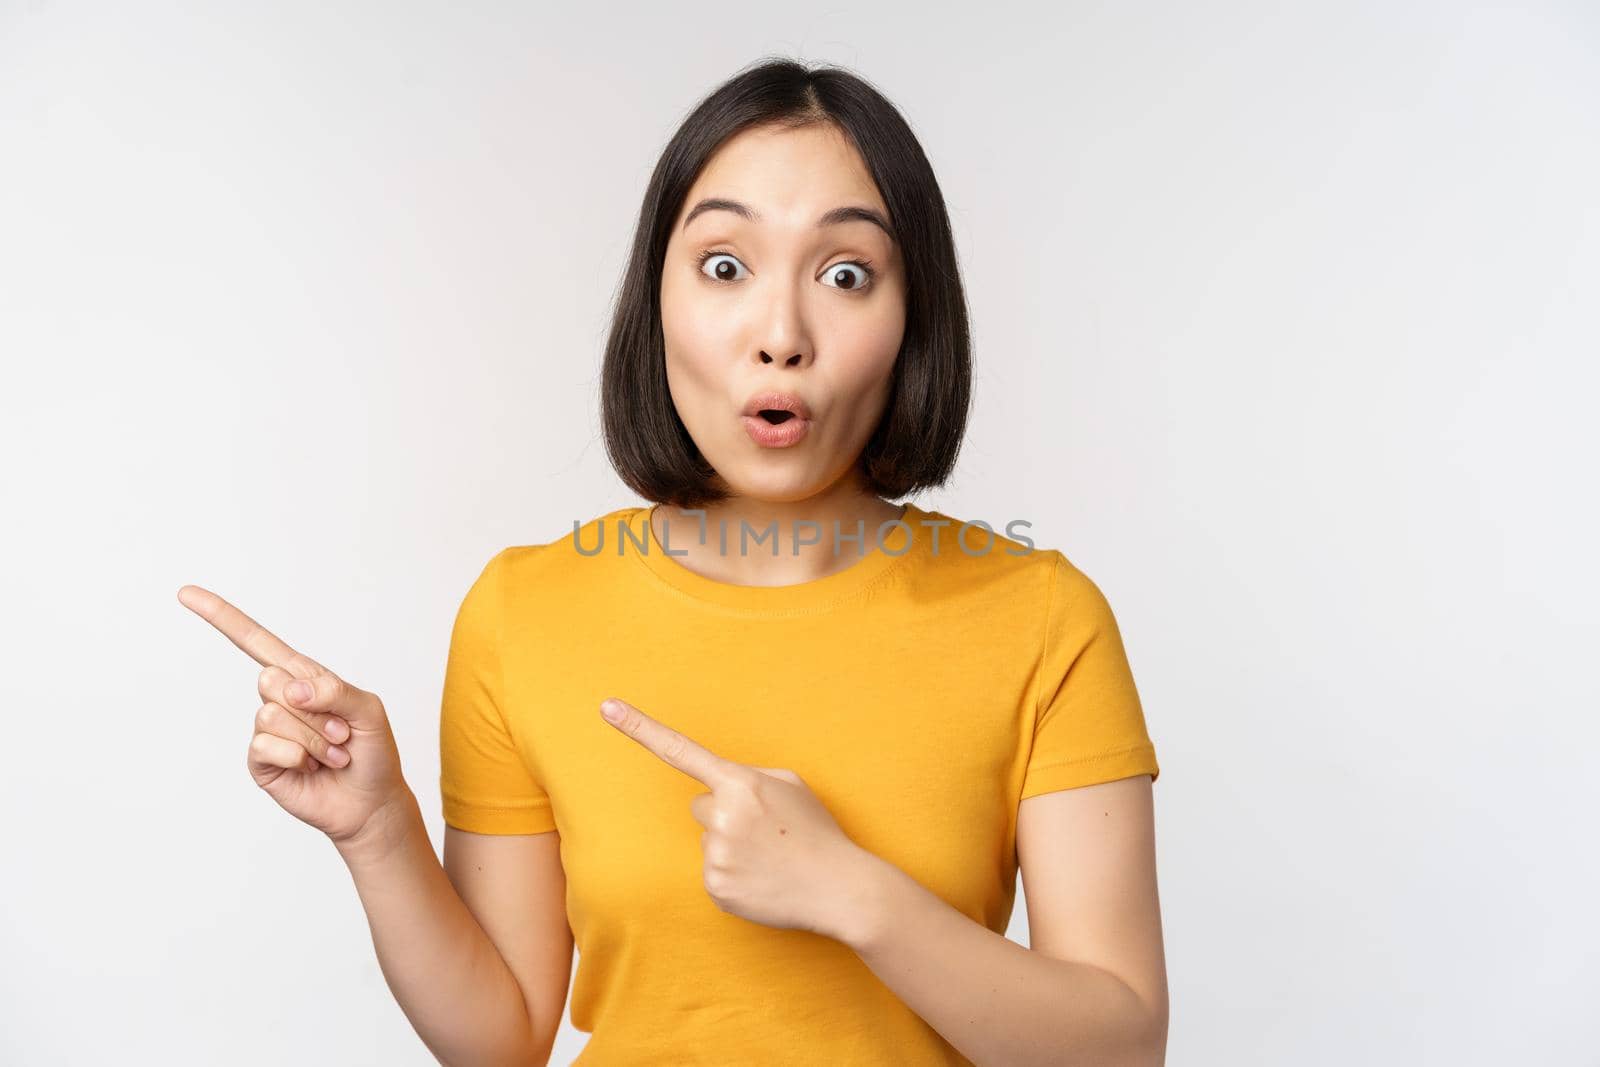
(305,730)
(266,716)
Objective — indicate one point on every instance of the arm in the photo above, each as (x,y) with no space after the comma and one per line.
(464,1000)
(1091,990)
(324,751)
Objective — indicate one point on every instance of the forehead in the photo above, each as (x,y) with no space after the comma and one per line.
(788,176)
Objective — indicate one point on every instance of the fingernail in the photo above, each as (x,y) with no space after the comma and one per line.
(340,756)
(611,710)
(335,729)
(299,692)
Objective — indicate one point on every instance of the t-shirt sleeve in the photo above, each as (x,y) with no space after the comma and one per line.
(484,782)
(1089,725)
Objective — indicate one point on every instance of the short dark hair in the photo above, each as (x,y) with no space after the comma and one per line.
(916,443)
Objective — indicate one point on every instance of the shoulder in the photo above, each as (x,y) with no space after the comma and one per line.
(1007,558)
(981,550)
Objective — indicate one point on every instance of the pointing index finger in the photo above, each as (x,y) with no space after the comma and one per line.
(690,757)
(257,642)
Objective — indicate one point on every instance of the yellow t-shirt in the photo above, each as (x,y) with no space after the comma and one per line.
(921,692)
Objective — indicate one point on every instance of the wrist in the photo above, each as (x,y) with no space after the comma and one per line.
(390,828)
(865,884)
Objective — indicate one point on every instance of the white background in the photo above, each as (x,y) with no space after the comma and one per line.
(1286,333)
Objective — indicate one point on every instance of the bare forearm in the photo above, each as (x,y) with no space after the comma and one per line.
(994,1000)
(447,976)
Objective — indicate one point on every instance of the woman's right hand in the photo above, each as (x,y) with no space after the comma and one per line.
(328,759)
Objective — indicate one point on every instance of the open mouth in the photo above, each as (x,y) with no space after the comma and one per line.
(776,427)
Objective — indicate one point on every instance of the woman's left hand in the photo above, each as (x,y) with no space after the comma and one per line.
(773,853)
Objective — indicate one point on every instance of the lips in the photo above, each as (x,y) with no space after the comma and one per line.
(776,420)
(768,434)
(776,407)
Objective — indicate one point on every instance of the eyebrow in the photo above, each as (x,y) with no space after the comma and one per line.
(848,213)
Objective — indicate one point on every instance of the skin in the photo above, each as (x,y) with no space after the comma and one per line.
(785,319)
(477,950)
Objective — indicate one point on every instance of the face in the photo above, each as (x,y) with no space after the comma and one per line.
(775,302)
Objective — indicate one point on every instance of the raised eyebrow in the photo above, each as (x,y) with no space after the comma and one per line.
(847,213)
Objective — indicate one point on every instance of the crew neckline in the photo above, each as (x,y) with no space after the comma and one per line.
(898,542)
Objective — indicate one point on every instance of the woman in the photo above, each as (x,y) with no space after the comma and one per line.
(797,841)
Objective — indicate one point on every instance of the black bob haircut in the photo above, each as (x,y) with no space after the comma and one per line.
(916,443)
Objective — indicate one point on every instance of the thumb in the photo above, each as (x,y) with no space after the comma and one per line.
(331,694)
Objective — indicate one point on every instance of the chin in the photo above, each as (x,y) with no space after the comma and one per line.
(777,485)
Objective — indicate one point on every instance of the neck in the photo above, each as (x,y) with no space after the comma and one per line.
(823,520)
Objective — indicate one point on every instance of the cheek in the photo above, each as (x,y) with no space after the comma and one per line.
(870,366)
(696,342)
(874,337)
(694,328)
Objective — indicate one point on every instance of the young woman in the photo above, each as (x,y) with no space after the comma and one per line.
(798,839)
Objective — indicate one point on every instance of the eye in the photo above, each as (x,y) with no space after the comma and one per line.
(722,272)
(860,270)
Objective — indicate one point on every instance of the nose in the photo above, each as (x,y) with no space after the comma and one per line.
(786,341)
